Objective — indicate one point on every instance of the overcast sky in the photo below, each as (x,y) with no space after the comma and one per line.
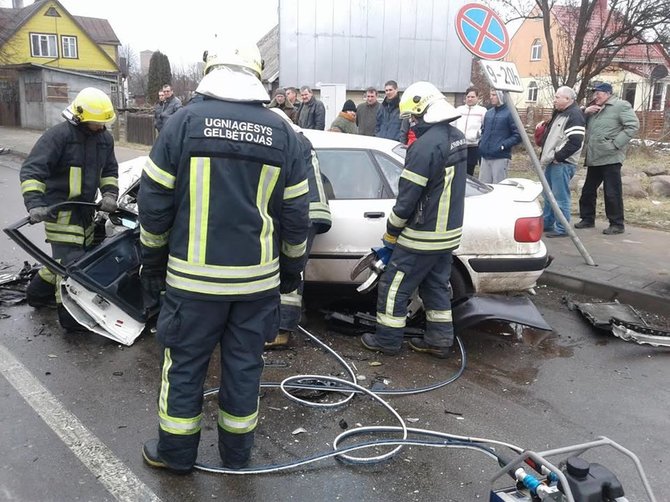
(180,29)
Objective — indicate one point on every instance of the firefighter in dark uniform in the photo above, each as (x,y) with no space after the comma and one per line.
(223,213)
(424,227)
(70,162)
(320,222)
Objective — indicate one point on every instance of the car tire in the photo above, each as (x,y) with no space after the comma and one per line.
(460,287)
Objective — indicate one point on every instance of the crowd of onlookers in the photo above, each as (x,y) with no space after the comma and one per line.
(490,136)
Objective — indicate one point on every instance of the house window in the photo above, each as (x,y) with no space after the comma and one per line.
(69,47)
(43,45)
(532,92)
(657,96)
(536,50)
(57,92)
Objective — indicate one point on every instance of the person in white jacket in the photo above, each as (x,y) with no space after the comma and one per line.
(470,124)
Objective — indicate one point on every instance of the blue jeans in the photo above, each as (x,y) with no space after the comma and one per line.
(558,176)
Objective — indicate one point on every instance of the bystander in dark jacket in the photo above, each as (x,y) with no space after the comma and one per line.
(280,101)
(388,115)
(366,113)
(311,112)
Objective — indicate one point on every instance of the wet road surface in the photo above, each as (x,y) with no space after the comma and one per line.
(534,389)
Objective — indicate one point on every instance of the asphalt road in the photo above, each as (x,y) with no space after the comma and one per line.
(76,408)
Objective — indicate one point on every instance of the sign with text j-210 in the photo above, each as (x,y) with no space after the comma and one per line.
(502,76)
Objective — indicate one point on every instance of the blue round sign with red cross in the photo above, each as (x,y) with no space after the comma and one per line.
(482,32)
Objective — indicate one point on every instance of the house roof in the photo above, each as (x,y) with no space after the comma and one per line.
(106,76)
(11,20)
(99,30)
(567,16)
(269,47)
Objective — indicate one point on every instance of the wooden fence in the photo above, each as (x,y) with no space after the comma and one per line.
(139,128)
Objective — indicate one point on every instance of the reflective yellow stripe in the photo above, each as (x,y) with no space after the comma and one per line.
(296,190)
(396,220)
(33,186)
(223,272)
(429,246)
(160,176)
(64,217)
(180,426)
(294,250)
(222,288)
(109,181)
(438,315)
(293,299)
(445,201)
(391,321)
(318,179)
(75,182)
(153,240)
(237,425)
(429,235)
(47,275)
(69,234)
(67,229)
(266,185)
(199,194)
(165,382)
(414,178)
(387,318)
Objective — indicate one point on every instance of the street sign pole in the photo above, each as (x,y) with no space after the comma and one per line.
(483,33)
(548,194)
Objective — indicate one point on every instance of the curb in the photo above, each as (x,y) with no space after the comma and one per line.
(638,298)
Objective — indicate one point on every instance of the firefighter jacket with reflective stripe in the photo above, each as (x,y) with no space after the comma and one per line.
(69,163)
(223,202)
(319,210)
(428,213)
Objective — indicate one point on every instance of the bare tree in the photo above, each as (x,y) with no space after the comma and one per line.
(128,54)
(585,37)
(185,79)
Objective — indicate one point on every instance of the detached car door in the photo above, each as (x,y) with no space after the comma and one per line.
(360,199)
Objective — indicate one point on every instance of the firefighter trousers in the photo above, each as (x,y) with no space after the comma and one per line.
(42,286)
(291,303)
(404,274)
(189,331)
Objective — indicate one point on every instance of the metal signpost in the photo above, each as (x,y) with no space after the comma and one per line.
(483,33)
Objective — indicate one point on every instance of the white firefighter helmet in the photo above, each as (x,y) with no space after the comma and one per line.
(236,54)
(90,105)
(233,72)
(423,99)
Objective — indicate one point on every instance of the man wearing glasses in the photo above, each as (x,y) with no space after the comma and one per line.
(388,114)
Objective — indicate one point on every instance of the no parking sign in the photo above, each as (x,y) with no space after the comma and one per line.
(482,32)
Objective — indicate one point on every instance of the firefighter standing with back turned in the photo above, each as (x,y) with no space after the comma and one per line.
(223,221)
(320,222)
(70,162)
(424,227)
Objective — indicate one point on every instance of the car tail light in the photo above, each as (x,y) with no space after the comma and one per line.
(528,229)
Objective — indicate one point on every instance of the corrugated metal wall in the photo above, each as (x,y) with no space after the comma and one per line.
(366,42)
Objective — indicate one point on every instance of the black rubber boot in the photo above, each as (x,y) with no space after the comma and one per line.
(370,342)
(419,345)
(235,449)
(152,459)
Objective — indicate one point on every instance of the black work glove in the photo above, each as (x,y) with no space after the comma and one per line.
(289,282)
(38,214)
(153,283)
(108,203)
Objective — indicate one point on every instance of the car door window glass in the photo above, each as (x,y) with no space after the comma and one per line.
(391,170)
(351,174)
